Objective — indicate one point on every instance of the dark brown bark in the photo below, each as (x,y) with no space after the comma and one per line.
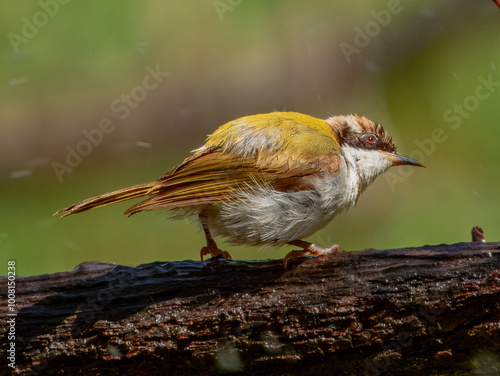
(413,311)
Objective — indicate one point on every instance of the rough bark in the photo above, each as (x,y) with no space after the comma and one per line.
(413,311)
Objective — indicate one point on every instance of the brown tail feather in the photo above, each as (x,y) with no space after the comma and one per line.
(111,197)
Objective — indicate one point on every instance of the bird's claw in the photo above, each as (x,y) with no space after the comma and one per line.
(214,252)
(312,250)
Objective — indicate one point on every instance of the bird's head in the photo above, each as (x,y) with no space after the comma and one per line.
(366,146)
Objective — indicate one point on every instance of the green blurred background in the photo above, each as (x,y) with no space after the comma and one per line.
(416,63)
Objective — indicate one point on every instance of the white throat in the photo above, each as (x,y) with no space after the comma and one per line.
(367,164)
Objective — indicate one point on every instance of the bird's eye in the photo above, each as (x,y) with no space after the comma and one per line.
(370,138)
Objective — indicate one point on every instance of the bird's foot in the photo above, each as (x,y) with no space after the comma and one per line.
(310,249)
(214,252)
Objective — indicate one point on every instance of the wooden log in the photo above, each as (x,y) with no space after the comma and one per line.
(413,311)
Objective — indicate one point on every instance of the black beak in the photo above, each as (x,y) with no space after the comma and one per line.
(400,160)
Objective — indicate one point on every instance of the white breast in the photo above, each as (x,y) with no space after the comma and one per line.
(266,216)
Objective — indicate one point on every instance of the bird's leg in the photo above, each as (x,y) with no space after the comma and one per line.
(308,249)
(211,247)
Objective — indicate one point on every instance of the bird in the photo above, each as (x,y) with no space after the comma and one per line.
(268,180)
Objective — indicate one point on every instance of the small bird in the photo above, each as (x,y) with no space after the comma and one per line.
(268,179)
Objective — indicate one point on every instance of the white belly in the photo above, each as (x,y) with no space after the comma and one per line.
(266,216)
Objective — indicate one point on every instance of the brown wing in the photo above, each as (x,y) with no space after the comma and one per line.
(214,175)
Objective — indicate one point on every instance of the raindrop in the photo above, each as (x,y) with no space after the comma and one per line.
(20,173)
(143,144)
(18,81)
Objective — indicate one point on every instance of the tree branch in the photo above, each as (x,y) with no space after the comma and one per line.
(427,310)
